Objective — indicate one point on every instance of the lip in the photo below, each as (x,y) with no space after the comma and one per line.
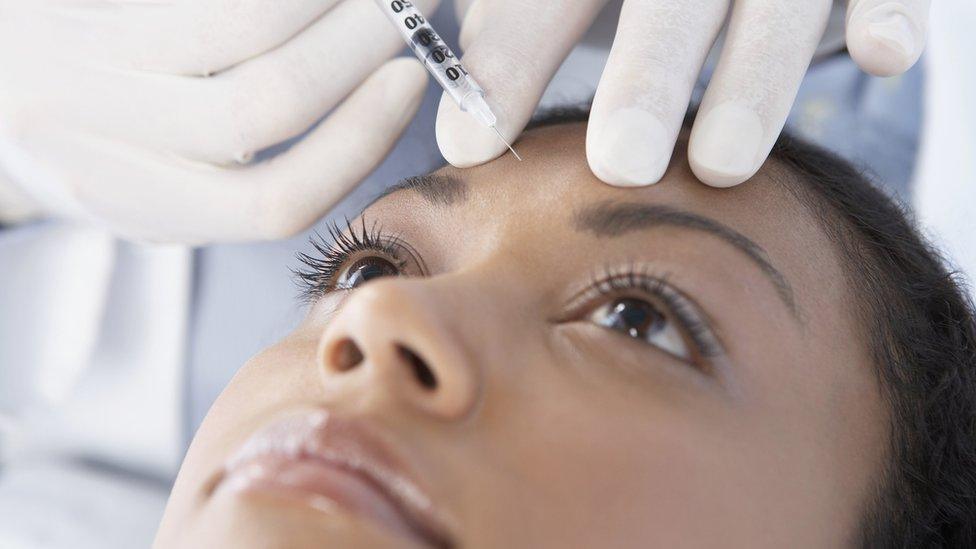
(331,463)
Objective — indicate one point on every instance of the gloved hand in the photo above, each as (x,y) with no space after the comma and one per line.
(145,115)
(514,47)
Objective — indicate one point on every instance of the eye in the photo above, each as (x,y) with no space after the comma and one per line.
(642,320)
(640,304)
(353,256)
(364,270)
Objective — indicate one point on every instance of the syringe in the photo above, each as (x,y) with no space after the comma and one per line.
(441,62)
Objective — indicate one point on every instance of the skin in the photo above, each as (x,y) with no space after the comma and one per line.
(549,430)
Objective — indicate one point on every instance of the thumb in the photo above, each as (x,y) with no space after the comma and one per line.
(886,37)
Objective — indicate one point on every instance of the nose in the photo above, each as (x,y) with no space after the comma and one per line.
(393,342)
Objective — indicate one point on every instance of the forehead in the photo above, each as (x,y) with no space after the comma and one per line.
(555,179)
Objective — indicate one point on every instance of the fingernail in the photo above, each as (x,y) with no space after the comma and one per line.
(631,150)
(725,144)
(893,29)
(463,141)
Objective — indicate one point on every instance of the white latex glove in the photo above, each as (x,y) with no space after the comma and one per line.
(15,205)
(513,47)
(144,115)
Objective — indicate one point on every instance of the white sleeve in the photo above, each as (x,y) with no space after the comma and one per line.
(945,179)
(66,505)
(93,342)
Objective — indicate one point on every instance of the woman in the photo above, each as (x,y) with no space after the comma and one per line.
(515,355)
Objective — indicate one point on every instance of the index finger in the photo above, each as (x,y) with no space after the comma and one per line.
(767,51)
(197,38)
(516,48)
(146,195)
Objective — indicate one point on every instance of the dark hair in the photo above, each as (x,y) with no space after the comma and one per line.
(919,325)
(922,337)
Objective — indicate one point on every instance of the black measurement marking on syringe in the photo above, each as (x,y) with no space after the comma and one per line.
(414,21)
(443,54)
(424,38)
(440,55)
(411,22)
(399,5)
(455,72)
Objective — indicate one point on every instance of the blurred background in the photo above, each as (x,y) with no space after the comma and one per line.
(111,351)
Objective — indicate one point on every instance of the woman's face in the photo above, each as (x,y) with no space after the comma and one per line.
(563,364)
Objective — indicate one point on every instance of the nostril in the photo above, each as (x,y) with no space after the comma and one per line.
(346,355)
(420,369)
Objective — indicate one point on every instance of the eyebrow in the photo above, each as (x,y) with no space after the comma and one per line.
(437,189)
(614,219)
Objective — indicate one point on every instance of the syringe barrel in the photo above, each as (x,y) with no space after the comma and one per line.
(433,52)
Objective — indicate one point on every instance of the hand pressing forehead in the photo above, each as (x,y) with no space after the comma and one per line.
(659,48)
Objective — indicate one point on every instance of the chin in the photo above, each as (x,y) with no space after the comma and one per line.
(258,521)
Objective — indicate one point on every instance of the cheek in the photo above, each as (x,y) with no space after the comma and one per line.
(596,463)
(812,409)
(618,470)
(822,420)
(602,455)
(277,377)
(274,379)
(613,470)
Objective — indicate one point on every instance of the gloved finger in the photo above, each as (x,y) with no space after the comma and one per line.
(147,196)
(657,53)
(260,103)
(349,145)
(767,52)
(196,38)
(886,37)
(461,8)
(515,50)
(279,95)
(472,20)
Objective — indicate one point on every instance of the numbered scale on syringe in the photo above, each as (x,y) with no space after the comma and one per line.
(442,64)
(428,46)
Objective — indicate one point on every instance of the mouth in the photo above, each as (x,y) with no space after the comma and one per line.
(333,465)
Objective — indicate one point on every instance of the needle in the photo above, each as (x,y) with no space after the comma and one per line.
(506,143)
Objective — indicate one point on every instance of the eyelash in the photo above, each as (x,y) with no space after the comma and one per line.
(319,275)
(320,271)
(615,283)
